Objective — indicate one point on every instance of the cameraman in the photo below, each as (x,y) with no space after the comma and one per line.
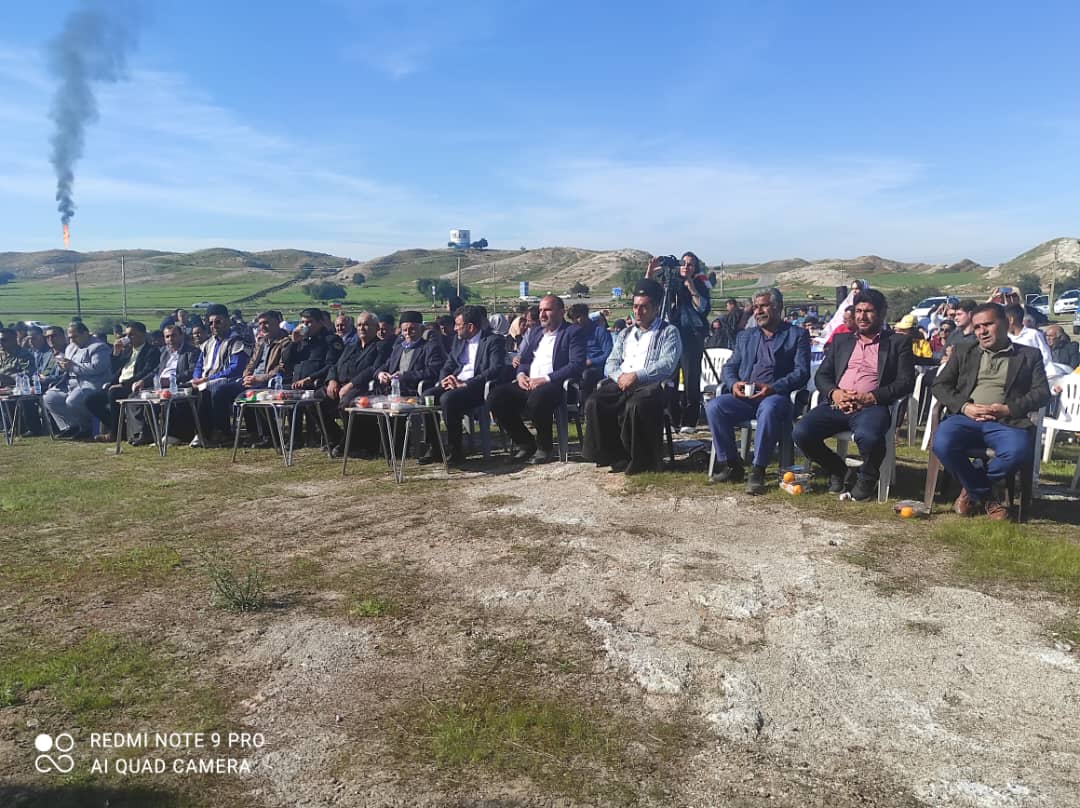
(687,308)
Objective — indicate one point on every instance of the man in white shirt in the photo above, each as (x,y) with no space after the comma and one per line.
(550,355)
(1023,334)
(623,417)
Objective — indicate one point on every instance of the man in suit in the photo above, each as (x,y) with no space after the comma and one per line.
(769,363)
(177,360)
(988,388)
(414,362)
(624,415)
(861,376)
(549,356)
(478,356)
(86,368)
(223,357)
(133,357)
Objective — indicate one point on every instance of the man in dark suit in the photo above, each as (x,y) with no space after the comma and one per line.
(133,358)
(414,362)
(549,356)
(861,376)
(478,356)
(349,379)
(769,363)
(988,388)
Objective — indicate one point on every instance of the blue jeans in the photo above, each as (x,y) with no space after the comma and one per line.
(958,437)
(869,428)
(725,412)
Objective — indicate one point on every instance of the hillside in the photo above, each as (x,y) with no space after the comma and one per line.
(1041,260)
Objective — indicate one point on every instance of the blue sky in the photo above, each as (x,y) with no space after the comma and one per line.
(742,131)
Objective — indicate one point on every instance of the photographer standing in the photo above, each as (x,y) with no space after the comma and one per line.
(686,306)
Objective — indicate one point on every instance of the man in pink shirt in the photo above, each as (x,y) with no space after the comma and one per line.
(861,376)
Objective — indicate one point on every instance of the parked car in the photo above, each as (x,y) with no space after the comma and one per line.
(1067,301)
(1041,303)
(202,304)
(1076,322)
(924,307)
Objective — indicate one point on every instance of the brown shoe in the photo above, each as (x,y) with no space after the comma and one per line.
(996,510)
(963,505)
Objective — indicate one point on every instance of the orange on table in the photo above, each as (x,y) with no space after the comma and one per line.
(789,476)
(796,489)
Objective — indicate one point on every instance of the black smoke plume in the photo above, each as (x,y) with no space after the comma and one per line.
(93,47)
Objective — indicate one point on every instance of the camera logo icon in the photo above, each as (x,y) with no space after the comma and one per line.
(62,744)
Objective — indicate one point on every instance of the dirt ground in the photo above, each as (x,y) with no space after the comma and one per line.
(737,648)
(809,683)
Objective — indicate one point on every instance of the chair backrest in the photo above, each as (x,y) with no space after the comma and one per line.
(713,359)
(1069,405)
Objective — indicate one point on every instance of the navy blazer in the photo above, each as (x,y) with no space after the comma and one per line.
(490,360)
(896,366)
(791,352)
(568,358)
(425,367)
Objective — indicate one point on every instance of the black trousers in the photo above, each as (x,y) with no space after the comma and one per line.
(104,407)
(509,404)
(625,425)
(455,404)
(869,429)
(693,347)
(590,377)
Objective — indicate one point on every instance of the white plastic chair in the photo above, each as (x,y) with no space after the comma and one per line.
(887,470)
(713,359)
(1067,419)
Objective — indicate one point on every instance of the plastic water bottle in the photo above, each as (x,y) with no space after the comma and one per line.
(276,382)
(37,385)
(22,387)
(173,389)
(157,384)
(395,388)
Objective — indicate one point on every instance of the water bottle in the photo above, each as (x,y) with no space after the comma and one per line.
(395,388)
(157,384)
(21,385)
(276,382)
(173,389)
(37,385)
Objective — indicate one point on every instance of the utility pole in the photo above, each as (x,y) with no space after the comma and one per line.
(721,279)
(78,297)
(123,284)
(459,276)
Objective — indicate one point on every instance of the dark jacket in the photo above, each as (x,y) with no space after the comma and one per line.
(1026,389)
(1067,353)
(148,360)
(425,367)
(490,360)
(313,357)
(599,346)
(357,363)
(185,365)
(896,366)
(791,354)
(568,358)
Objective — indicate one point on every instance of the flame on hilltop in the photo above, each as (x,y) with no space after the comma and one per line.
(67,236)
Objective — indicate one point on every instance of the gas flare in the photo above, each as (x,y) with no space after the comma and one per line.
(67,236)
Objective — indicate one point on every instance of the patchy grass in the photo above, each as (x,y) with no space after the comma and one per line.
(237,591)
(371,607)
(926,627)
(498,500)
(1017,553)
(148,562)
(1066,629)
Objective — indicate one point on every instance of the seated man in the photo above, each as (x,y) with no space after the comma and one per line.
(988,389)
(770,362)
(624,416)
(177,362)
(1063,350)
(861,376)
(597,350)
(86,368)
(477,357)
(267,361)
(349,379)
(310,356)
(223,358)
(14,360)
(549,356)
(412,361)
(132,359)
(1023,334)
(56,339)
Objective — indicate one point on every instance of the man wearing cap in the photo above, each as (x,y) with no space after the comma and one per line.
(413,361)
(550,355)
(624,416)
(859,379)
(920,345)
(770,362)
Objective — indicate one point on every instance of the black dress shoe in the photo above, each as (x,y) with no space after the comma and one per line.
(457,458)
(71,433)
(427,458)
(539,458)
(756,484)
(521,455)
(140,440)
(731,471)
(864,490)
(618,467)
(836,483)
